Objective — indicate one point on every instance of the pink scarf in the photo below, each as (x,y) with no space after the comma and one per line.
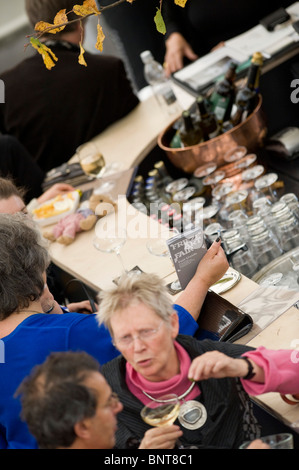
(178,384)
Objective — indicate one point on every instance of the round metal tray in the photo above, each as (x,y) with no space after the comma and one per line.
(282,264)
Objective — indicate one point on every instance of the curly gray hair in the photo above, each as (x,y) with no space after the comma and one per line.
(23,260)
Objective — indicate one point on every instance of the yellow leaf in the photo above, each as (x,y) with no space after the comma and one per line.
(100,38)
(89,7)
(48,56)
(160,25)
(60,18)
(42,26)
(181,3)
(81,59)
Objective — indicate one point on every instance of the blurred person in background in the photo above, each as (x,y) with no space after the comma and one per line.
(201,26)
(133,29)
(52,112)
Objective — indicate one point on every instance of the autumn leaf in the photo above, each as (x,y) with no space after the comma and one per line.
(48,56)
(181,3)
(59,19)
(89,7)
(81,59)
(100,38)
(160,25)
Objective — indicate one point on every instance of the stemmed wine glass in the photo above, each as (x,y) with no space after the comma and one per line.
(162,411)
(111,242)
(94,165)
(91,160)
(158,247)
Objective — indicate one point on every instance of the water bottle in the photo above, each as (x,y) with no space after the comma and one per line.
(155,76)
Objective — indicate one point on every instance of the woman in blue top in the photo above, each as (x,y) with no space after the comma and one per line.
(27,335)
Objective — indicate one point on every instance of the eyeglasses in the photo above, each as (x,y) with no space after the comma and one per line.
(24,210)
(112,401)
(143,335)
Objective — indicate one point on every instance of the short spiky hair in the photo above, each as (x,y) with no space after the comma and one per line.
(46,10)
(142,288)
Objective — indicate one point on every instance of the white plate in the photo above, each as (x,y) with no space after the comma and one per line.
(65,205)
(229,280)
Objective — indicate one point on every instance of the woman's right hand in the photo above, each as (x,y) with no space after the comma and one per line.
(213,265)
(164,437)
(209,270)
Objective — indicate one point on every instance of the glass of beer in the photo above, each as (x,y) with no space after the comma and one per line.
(91,160)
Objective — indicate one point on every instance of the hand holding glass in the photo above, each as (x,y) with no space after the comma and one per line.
(162,411)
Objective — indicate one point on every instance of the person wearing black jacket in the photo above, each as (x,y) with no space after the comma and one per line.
(52,112)
(200,26)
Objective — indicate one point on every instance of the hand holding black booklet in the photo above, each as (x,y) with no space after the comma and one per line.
(186,250)
(219,319)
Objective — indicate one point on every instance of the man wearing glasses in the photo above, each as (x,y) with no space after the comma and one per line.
(67,403)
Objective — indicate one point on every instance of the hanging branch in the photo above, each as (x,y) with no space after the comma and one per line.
(87,9)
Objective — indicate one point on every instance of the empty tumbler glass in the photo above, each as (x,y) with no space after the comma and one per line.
(288,233)
(266,186)
(264,246)
(292,202)
(237,219)
(249,177)
(239,255)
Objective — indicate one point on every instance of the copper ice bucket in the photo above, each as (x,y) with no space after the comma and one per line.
(250,133)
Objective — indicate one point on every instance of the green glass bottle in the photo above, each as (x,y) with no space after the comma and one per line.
(208,121)
(223,97)
(247,97)
(190,132)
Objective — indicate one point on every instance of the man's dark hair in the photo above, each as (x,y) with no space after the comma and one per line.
(46,10)
(8,189)
(54,398)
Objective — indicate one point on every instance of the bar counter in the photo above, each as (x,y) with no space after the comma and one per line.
(129,141)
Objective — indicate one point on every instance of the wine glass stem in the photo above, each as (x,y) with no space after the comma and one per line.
(121,261)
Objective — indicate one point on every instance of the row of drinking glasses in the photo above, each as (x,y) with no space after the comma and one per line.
(264,236)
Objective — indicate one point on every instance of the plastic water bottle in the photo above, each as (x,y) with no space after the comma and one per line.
(155,76)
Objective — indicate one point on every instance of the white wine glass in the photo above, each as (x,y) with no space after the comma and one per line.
(162,411)
(111,242)
(91,160)
(158,247)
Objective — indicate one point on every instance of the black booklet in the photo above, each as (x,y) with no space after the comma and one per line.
(186,250)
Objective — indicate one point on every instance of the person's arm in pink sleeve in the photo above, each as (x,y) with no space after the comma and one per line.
(281,371)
